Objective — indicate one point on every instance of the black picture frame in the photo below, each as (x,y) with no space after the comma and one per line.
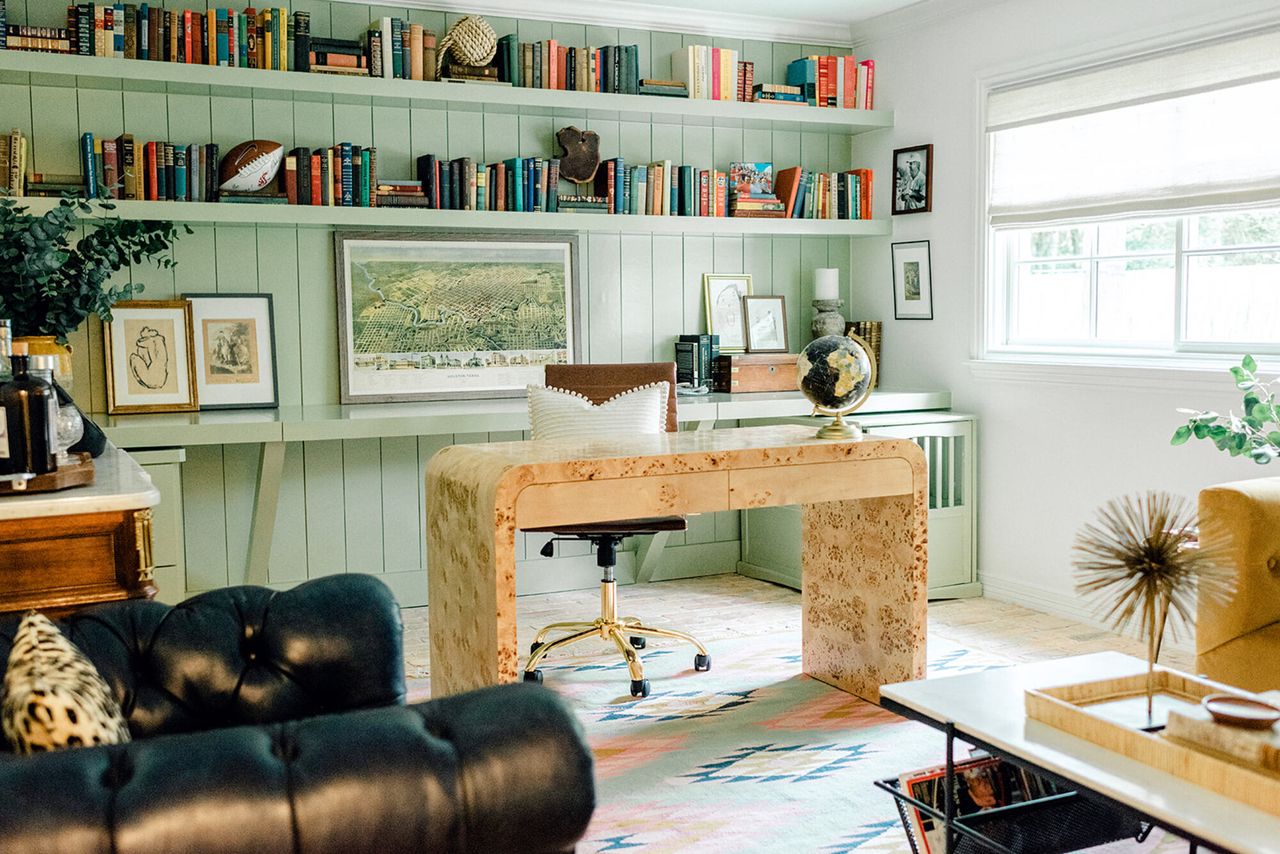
(913,189)
(912,280)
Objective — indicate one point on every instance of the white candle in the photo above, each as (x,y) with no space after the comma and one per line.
(826,283)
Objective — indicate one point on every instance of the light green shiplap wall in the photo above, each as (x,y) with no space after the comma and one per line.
(357,505)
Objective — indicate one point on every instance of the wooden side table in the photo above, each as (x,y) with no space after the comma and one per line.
(60,551)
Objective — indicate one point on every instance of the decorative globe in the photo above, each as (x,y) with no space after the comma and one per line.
(835,373)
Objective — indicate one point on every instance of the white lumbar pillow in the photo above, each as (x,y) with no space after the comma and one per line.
(555,413)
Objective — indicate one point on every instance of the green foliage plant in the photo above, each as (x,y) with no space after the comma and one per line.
(48,286)
(1255,433)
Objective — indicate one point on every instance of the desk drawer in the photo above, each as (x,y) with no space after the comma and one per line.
(811,484)
(545,504)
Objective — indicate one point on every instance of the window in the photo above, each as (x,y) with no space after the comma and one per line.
(1192,285)
(1134,208)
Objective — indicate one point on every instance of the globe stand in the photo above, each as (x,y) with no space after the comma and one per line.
(839,428)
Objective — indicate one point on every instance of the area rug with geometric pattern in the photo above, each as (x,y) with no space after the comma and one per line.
(751,756)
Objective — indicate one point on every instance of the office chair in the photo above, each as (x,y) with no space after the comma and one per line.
(599,383)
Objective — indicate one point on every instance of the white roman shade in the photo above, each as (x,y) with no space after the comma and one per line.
(1182,130)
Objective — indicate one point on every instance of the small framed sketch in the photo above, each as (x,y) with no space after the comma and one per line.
(235,350)
(766,324)
(913,180)
(149,360)
(912,281)
(723,296)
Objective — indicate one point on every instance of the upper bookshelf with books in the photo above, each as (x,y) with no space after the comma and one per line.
(585,83)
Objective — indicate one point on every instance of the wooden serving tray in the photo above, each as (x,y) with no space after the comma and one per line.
(1103,712)
(78,473)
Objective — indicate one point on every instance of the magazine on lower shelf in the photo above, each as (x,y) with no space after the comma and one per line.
(983,782)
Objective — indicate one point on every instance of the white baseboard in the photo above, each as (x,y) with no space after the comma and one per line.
(1072,607)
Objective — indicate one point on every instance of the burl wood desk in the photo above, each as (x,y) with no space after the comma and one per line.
(864,553)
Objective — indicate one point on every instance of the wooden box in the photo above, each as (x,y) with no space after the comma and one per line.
(1111,712)
(755,372)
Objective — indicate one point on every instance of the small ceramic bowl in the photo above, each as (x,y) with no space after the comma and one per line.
(1243,712)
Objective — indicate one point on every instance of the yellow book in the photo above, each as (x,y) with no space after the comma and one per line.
(211,36)
(264,44)
(282,43)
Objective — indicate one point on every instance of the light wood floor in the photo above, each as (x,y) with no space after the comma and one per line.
(724,606)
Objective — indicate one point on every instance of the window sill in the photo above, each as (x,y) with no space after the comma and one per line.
(1146,376)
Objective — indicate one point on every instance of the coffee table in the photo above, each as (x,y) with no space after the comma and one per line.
(987,710)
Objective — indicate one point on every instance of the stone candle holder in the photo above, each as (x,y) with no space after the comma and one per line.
(827,319)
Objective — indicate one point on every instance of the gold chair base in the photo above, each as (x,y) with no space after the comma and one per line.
(606,627)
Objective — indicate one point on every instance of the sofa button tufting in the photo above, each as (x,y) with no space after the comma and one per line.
(1273,564)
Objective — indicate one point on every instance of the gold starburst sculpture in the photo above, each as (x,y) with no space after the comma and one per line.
(1143,558)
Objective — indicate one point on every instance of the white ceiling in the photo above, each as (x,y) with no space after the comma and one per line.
(835,11)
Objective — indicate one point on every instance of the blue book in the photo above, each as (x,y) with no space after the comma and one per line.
(344,156)
(224,42)
(180,173)
(514,201)
(530,182)
(144,39)
(117,38)
(797,208)
(89,166)
(538,172)
(619,184)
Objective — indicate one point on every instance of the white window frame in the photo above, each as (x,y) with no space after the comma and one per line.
(1001,294)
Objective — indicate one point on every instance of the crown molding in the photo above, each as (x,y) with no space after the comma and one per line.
(910,19)
(648,16)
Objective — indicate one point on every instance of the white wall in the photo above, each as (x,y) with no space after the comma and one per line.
(1050,451)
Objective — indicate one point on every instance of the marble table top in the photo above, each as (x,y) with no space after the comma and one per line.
(119,483)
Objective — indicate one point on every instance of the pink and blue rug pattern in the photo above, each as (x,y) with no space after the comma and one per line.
(752,756)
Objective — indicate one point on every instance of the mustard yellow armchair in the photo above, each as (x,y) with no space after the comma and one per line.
(1238,641)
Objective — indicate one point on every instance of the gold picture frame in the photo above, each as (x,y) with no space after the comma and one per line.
(150,358)
(722,295)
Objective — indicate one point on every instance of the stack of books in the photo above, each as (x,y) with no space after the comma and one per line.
(751,191)
(330,56)
(51,185)
(666,88)
(871,331)
(805,194)
(13,163)
(778,92)
(395,48)
(37,39)
(709,73)
(456,72)
(401,194)
(127,168)
(342,175)
(551,65)
(583,204)
(834,81)
(518,184)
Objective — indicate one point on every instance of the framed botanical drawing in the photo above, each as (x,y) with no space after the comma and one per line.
(723,295)
(433,316)
(234,340)
(912,281)
(913,180)
(149,361)
(766,323)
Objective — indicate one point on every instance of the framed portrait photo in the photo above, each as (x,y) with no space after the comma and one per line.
(723,295)
(913,180)
(149,361)
(912,281)
(766,324)
(435,316)
(233,337)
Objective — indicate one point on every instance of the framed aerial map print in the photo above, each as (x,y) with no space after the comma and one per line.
(434,316)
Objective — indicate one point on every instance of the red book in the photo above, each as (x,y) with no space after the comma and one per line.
(562,72)
(785,184)
(704,193)
(500,195)
(715,73)
(315,179)
(153,192)
(553,65)
(186,34)
(866,97)
(197,40)
(439,202)
(291,179)
(850,93)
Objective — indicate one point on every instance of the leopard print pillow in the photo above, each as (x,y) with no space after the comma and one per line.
(53,695)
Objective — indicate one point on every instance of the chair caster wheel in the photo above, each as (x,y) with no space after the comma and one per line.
(533,676)
(637,643)
(701,662)
(534,647)
(639,687)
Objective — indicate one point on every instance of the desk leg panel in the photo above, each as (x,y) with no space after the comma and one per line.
(471,582)
(864,592)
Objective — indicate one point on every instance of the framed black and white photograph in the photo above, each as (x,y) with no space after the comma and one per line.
(435,316)
(912,281)
(149,362)
(235,350)
(766,324)
(913,180)
(723,295)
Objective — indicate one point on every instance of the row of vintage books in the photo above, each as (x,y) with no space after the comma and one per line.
(274,39)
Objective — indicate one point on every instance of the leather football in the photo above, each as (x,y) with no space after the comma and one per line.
(250,166)
(579,154)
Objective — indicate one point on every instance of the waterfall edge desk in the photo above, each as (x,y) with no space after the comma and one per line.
(864,547)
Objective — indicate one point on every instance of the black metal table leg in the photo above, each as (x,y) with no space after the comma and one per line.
(948,795)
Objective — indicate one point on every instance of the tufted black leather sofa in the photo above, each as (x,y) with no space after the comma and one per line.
(271,721)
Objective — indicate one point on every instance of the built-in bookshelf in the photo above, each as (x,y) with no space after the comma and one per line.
(224,213)
(350,487)
(133,75)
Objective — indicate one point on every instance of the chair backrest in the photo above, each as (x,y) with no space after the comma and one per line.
(598,383)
